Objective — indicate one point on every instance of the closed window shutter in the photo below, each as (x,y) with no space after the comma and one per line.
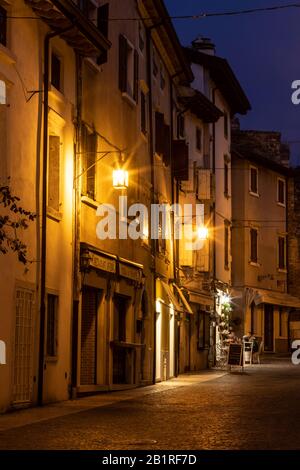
(53,172)
(91,165)
(181,160)
(159,133)
(204,185)
(136,77)
(122,63)
(102,24)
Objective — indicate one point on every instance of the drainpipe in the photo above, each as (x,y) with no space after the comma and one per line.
(47,40)
(214,225)
(151,152)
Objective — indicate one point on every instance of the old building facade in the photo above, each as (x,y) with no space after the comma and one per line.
(260,236)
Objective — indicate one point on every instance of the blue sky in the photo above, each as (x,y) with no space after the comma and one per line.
(264,52)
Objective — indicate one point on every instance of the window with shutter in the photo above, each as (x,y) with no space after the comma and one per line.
(91,165)
(253,180)
(102,24)
(3,26)
(204,184)
(53,172)
(281,191)
(128,69)
(181,160)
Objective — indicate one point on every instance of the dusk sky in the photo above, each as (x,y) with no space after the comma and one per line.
(263,50)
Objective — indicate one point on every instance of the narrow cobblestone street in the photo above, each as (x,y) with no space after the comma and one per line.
(258,409)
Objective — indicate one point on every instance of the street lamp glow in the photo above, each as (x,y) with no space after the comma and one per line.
(120,178)
(226,299)
(202,233)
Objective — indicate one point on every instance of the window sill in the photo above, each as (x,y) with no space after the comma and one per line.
(93,65)
(6,55)
(282,270)
(126,97)
(52,359)
(54,214)
(254,194)
(255,264)
(57,95)
(90,202)
(144,136)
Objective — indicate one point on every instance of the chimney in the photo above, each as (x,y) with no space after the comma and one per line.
(204,45)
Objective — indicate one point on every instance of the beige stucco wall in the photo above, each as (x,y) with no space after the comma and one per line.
(21,68)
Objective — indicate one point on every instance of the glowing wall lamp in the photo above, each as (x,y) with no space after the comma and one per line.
(120,177)
(202,233)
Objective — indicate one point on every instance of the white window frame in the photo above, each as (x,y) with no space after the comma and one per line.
(252,167)
(282,204)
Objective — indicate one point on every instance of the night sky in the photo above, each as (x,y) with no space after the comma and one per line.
(264,52)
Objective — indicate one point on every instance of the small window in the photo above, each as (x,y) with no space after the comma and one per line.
(128,68)
(56,69)
(203,330)
(2,92)
(281,191)
(199,139)
(226,246)
(253,180)
(52,323)
(54,172)
(226,179)
(281,252)
(143,113)
(3,26)
(226,124)
(253,245)
(181,126)
(102,25)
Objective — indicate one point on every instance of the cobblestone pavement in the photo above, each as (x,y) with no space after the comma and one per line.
(259,409)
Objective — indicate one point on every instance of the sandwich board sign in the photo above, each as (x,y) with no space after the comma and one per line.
(235,355)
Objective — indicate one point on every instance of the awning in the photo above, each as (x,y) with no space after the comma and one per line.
(186,305)
(171,296)
(202,299)
(283,300)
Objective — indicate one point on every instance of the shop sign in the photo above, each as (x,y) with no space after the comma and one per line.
(102,263)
